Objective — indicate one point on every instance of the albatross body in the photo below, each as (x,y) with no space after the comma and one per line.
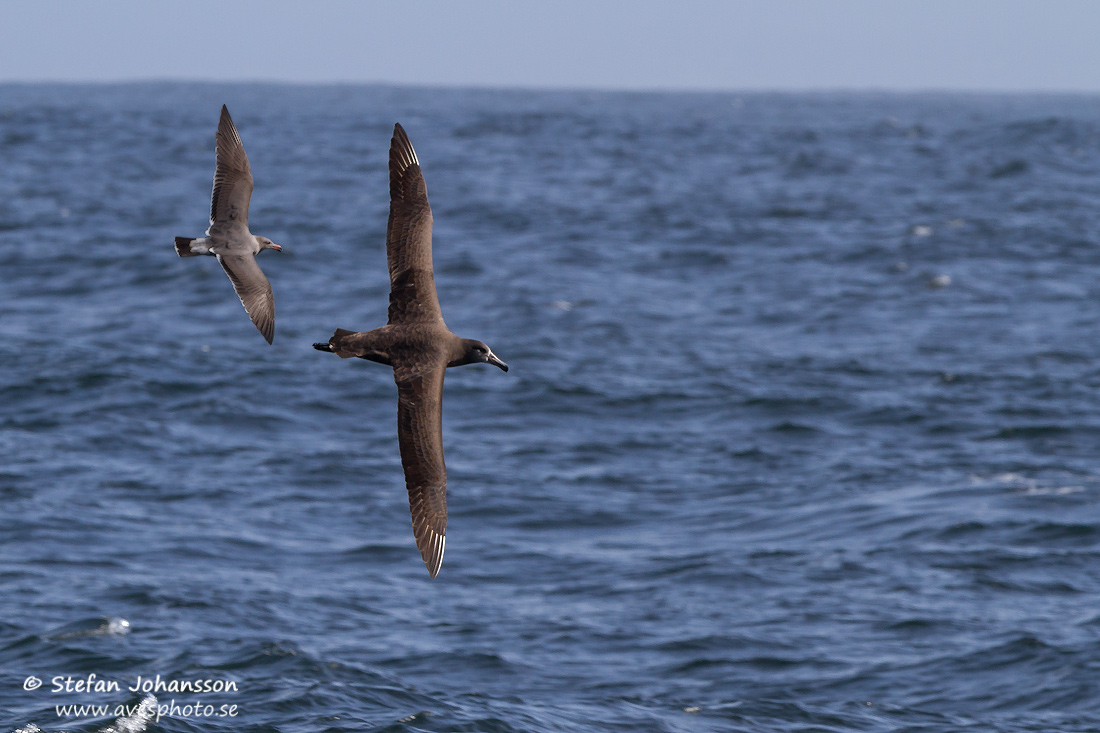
(419,346)
(228,237)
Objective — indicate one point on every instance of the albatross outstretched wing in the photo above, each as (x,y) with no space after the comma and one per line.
(420,435)
(232,180)
(409,238)
(253,289)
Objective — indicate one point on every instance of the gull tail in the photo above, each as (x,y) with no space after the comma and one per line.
(190,247)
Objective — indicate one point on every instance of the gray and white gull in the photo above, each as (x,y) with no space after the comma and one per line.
(228,237)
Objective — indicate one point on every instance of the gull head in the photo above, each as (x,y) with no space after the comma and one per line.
(266,243)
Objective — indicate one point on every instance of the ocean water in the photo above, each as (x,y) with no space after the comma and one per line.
(801,432)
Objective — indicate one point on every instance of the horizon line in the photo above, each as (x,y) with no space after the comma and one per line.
(565,88)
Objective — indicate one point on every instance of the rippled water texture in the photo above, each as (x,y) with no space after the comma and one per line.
(801,433)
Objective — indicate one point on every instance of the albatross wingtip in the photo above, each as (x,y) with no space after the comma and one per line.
(433,555)
(402,154)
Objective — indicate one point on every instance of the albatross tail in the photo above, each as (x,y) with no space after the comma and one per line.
(339,345)
(365,345)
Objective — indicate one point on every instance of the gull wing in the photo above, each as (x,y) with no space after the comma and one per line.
(253,289)
(232,179)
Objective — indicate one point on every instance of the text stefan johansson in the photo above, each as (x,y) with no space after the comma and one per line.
(92,684)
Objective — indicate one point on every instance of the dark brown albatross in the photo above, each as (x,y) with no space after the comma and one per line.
(419,346)
(228,237)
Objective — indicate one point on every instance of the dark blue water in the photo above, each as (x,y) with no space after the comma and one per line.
(802,431)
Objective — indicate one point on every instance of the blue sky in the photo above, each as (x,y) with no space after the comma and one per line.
(1044,45)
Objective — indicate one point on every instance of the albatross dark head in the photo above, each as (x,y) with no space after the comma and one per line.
(476,352)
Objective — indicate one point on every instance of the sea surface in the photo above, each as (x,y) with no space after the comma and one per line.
(801,431)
